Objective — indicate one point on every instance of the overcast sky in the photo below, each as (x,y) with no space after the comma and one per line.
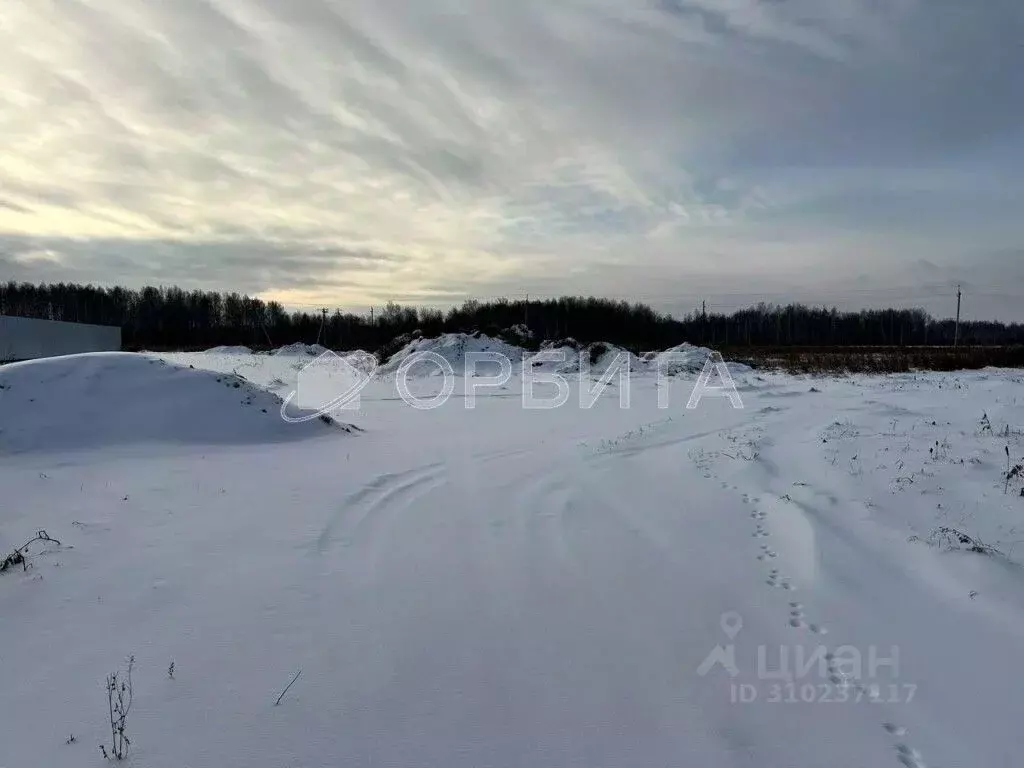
(347,152)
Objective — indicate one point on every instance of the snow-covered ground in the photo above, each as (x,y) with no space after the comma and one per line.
(505,587)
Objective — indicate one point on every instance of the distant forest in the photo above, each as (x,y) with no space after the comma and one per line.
(172,318)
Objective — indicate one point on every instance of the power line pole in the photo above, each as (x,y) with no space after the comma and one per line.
(323,320)
(956,330)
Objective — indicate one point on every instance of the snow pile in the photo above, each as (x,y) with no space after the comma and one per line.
(519,334)
(99,400)
(279,370)
(277,373)
(568,357)
(360,360)
(228,350)
(602,355)
(453,348)
(555,357)
(686,358)
(299,350)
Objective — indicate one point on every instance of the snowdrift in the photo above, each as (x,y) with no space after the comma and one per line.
(569,357)
(565,357)
(686,358)
(299,350)
(228,351)
(453,347)
(279,371)
(555,357)
(98,400)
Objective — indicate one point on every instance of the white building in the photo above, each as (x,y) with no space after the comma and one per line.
(26,338)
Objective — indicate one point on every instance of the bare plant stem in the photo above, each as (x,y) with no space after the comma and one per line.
(289,686)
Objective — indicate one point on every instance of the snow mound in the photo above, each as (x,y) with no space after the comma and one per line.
(602,355)
(105,399)
(228,351)
(454,348)
(686,358)
(300,350)
(360,360)
(569,357)
(554,359)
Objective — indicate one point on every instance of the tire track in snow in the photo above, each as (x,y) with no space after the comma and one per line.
(546,508)
(544,504)
(356,514)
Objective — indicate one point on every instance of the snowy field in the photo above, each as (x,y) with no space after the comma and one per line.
(779,586)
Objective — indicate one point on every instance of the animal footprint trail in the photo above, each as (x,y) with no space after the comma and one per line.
(909,757)
(906,755)
(779,582)
(767,553)
(835,675)
(797,619)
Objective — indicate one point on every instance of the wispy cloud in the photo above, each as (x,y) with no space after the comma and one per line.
(330,150)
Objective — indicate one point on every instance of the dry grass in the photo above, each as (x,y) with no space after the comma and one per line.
(876,359)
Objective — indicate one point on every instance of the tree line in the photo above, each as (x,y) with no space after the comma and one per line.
(162,318)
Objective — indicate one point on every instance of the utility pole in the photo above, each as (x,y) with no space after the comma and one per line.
(323,320)
(956,330)
(526,312)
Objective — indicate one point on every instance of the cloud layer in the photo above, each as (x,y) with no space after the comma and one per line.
(348,151)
